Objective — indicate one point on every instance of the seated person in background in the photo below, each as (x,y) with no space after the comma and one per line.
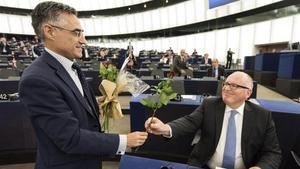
(215,70)
(13,42)
(132,61)
(205,60)
(234,133)
(101,54)
(167,58)
(4,47)
(24,51)
(180,63)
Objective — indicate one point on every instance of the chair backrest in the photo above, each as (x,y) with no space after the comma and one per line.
(153,66)
(20,65)
(189,73)
(94,66)
(220,86)
(158,72)
(3,59)
(208,78)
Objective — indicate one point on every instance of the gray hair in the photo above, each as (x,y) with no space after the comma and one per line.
(244,77)
(48,11)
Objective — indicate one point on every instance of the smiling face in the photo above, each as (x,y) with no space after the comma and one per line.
(237,89)
(63,37)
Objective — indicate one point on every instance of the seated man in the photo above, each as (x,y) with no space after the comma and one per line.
(4,47)
(205,60)
(180,63)
(215,70)
(235,133)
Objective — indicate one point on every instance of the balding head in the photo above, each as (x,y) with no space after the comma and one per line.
(237,89)
(245,79)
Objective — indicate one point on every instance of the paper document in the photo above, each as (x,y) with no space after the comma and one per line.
(192,97)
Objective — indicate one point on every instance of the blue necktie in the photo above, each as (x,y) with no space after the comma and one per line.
(230,144)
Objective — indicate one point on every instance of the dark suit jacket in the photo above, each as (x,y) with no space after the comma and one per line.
(203,61)
(259,140)
(211,73)
(7,48)
(178,64)
(67,129)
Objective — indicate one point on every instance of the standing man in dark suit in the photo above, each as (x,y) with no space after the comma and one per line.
(62,109)
(215,70)
(235,133)
(229,58)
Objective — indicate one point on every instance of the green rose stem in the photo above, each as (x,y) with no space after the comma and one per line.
(153,115)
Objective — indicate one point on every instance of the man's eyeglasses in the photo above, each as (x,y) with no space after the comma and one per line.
(77,32)
(233,86)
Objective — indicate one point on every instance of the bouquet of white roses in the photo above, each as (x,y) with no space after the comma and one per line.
(113,83)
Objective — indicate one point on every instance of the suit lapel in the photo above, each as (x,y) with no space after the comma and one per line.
(248,122)
(219,112)
(64,76)
(89,96)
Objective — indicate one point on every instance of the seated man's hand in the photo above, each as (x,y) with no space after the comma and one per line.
(137,138)
(157,127)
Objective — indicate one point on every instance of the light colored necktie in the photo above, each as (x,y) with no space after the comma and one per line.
(230,144)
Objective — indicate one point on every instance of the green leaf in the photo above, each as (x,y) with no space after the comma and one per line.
(162,94)
(164,98)
(167,89)
(144,102)
(172,96)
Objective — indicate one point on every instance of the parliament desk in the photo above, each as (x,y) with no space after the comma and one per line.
(134,162)
(191,86)
(286,116)
(17,138)
(8,86)
(195,86)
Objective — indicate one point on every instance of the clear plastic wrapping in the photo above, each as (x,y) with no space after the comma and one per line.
(134,85)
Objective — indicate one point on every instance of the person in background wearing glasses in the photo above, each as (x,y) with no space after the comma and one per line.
(62,109)
(234,133)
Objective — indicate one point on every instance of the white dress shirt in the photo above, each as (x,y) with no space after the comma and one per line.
(67,64)
(217,158)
